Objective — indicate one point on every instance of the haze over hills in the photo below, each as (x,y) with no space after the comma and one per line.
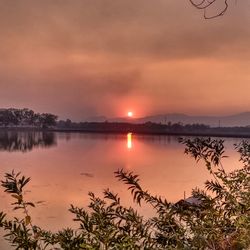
(235,120)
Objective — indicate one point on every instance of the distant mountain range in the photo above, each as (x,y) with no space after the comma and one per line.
(236,120)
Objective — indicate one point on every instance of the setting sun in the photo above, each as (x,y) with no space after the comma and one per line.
(130,114)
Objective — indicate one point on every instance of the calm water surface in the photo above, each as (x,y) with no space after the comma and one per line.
(64,167)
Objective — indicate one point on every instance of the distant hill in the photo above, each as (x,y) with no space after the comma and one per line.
(241,119)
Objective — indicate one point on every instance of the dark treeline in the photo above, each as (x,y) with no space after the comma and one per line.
(153,128)
(129,127)
(26,118)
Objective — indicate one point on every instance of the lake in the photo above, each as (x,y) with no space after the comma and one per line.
(64,167)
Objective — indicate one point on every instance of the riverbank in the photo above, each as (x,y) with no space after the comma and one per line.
(147,129)
(194,134)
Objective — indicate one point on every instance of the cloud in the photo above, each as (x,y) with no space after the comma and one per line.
(86,57)
(142,28)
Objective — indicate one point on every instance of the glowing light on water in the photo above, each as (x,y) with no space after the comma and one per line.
(129,140)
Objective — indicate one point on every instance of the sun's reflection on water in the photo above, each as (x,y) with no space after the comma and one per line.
(129,141)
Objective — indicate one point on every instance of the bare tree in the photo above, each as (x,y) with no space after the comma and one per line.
(207,4)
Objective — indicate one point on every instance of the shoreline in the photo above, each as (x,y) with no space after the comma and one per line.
(133,131)
(193,134)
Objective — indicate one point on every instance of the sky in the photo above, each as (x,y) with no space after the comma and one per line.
(86,58)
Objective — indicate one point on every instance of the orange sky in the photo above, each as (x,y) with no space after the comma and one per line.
(85,58)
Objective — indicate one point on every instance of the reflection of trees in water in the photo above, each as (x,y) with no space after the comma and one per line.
(25,141)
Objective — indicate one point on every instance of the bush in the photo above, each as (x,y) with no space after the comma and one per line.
(217,217)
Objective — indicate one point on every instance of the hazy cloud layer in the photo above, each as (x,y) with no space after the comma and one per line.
(90,57)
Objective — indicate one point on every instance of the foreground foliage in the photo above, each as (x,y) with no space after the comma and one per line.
(217,217)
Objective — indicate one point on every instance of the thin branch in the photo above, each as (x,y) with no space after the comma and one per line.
(202,5)
(205,4)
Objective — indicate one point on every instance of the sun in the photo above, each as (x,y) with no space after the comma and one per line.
(130,114)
